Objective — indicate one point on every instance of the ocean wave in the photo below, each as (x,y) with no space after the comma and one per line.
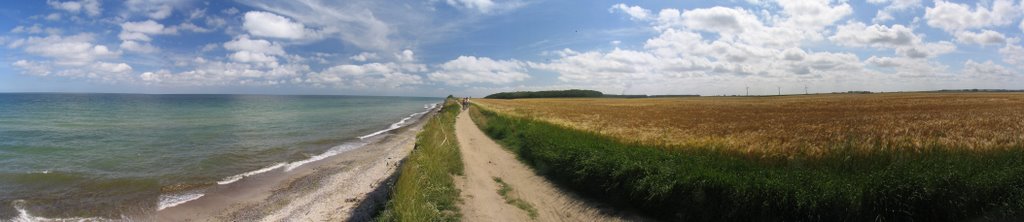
(402,122)
(24,216)
(232,179)
(170,200)
(331,152)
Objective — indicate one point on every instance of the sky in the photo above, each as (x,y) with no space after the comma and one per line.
(478,47)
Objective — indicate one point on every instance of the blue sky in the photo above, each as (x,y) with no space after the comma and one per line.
(477,47)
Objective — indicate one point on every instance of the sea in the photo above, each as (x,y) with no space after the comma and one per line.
(110,155)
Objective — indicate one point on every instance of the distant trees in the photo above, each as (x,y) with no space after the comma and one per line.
(546,94)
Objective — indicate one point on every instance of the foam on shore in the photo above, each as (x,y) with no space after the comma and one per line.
(232,179)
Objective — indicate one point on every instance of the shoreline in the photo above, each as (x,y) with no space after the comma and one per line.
(331,185)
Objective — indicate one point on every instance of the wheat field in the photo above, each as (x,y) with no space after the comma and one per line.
(793,126)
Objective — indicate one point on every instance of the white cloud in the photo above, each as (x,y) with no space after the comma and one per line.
(139,47)
(117,68)
(140,32)
(361,25)
(244,43)
(812,15)
(886,14)
(635,12)
(363,57)
(268,24)
(954,17)
(927,50)
(256,51)
(485,6)
(987,69)
(985,37)
(858,34)
(470,69)
(75,50)
(90,7)
(191,27)
(154,9)
(135,36)
(53,17)
(34,29)
(147,27)
(368,76)
(1013,54)
(904,67)
(716,19)
(898,37)
(32,68)
(405,56)
(216,73)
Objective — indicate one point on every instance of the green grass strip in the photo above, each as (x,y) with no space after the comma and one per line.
(425,190)
(504,189)
(709,184)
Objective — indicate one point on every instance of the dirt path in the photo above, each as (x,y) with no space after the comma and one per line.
(484,160)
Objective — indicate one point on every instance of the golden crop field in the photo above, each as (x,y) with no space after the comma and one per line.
(793,125)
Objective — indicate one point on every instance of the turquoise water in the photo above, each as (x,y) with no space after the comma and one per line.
(87,155)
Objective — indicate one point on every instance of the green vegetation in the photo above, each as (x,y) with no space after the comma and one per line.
(425,190)
(708,183)
(504,190)
(546,94)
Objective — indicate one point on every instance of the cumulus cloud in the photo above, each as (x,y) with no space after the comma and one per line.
(92,8)
(257,51)
(32,68)
(905,67)
(985,37)
(154,9)
(986,69)
(634,12)
(898,37)
(216,73)
(954,17)
(139,47)
(716,19)
(812,15)
(146,27)
(894,6)
(266,24)
(1013,54)
(363,57)
(485,6)
(470,69)
(135,36)
(74,50)
(406,56)
(366,76)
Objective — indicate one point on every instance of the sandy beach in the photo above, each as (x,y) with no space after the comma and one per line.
(347,186)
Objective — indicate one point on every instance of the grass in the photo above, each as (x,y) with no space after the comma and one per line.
(425,190)
(850,180)
(505,191)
